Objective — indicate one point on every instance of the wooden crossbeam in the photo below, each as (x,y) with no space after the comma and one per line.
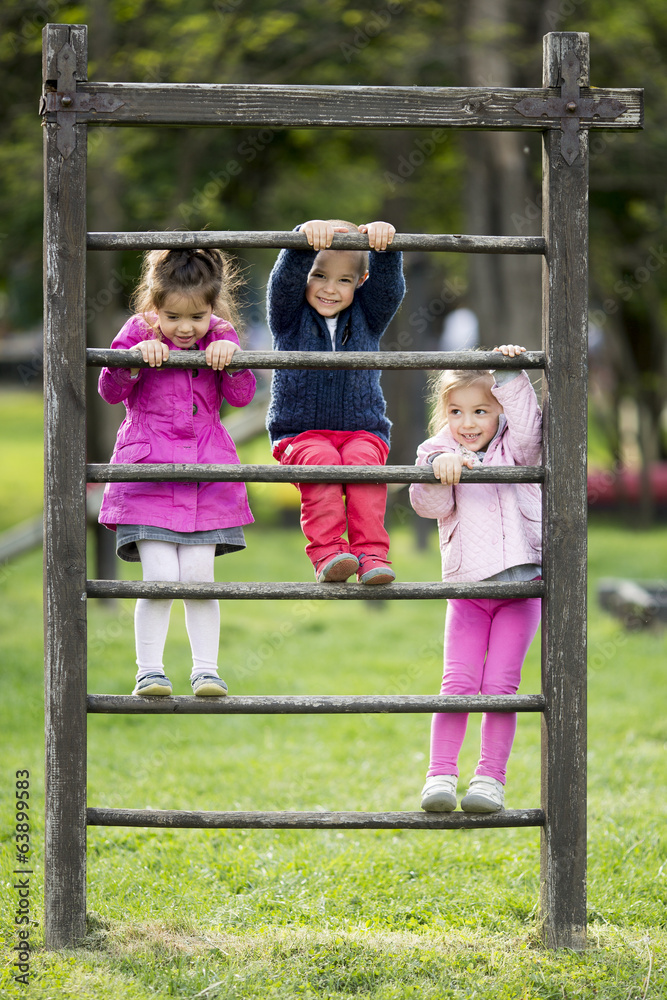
(153,473)
(312,704)
(179,819)
(158,590)
(230,240)
(269,106)
(394,360)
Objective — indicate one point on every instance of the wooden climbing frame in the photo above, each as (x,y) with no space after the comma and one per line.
(565,109)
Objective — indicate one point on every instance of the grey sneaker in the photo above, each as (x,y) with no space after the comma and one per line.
(484,795)
(439,793)
(208,686)
(153,685)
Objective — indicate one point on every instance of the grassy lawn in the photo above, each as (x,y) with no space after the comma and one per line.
(21,454)
(377,914)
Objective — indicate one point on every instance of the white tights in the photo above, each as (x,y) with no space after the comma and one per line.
(171,563)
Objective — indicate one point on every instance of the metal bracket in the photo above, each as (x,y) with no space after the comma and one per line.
(571,108)
(67,103)
(58,101)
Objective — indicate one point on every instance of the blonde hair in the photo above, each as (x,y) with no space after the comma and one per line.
(207,275)
(443,383)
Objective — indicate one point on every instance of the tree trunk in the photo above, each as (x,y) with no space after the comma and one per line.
(500,197)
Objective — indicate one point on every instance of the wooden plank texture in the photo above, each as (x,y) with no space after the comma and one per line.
(565,333)
(179,819)
(145,472)
(311,704)
(309,591)
(292,106)
(227,240)
(395,360)
(65,502)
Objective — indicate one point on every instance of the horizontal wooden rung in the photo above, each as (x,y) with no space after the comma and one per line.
(271,106)
(274,240)
(169,818)
(144,472)
(367,360)
(113,704)
(309,591)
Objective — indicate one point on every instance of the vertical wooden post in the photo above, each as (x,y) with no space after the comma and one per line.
(565,336)
(64,62)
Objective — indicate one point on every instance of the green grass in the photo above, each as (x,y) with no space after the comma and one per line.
(367,914)
(21,456)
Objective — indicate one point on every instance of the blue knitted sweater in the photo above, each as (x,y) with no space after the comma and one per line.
(334,400)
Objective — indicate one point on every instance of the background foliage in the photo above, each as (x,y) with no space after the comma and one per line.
(264,179)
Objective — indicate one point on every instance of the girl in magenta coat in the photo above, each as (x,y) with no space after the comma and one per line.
(488,531)
(184,302)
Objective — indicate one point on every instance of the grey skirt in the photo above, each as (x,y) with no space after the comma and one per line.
(127,535)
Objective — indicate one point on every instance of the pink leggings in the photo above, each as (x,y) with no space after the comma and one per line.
(486,642)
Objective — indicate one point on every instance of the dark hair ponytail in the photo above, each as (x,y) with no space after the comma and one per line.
(207,275)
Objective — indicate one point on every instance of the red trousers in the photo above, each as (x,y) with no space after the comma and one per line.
(329,509)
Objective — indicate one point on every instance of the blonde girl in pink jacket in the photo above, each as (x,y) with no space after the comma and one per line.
(490,532)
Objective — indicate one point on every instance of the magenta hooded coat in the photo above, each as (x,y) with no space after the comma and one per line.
(173,415)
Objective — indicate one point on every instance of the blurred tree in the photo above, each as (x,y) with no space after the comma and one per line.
(628,228)
(20,166)
(505,290)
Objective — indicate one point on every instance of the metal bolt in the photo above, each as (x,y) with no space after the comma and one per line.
(66,101)
(571,106)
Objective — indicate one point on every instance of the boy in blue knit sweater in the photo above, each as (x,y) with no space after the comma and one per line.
(335,300)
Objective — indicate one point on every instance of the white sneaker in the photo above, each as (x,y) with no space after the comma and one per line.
(439,793)
(484,795)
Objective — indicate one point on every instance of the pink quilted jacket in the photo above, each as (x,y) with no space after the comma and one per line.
(173,416)
(488,527)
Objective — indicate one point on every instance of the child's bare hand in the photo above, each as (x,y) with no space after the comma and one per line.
(320,233)
(220,353)
(510,350)
(447,467)
(152,351)
(380,234)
